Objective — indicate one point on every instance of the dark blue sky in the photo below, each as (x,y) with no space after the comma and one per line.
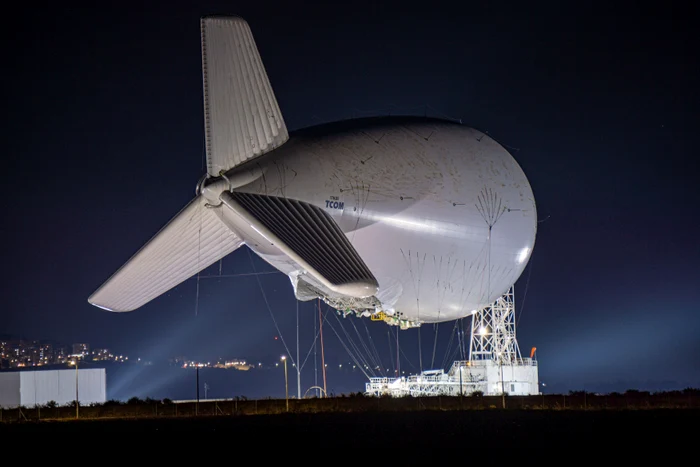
(104,144)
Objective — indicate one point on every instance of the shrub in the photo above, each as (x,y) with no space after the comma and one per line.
(112,403)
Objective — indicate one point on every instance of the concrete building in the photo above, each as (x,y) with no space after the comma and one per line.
(81,349)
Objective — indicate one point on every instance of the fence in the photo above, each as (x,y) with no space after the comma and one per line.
(631,400)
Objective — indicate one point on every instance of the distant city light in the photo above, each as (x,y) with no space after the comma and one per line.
(32,353)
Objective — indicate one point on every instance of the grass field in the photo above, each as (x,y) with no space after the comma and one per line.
(418,429)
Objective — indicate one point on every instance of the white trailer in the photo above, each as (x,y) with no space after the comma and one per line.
(32,388)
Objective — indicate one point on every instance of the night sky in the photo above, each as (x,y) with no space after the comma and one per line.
(599,106)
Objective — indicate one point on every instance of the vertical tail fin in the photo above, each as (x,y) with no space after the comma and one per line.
(242,119)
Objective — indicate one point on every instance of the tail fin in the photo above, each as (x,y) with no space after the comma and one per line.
(194,239)
(241,117)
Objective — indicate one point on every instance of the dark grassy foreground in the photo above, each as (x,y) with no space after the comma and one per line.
(419,429)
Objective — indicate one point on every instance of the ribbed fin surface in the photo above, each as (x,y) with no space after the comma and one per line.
(311,233)
(242,119)
(194,239)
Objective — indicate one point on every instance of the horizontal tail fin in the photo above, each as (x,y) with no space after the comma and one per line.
(193,240)
(309,236)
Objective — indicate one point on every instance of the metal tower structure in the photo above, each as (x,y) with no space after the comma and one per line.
(493,332)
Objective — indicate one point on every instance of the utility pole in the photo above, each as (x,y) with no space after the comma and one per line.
(196,407)
(77,396)
(315,359)
(286,386)
(398,363)
(323,359)
(298,366)
(503,390)
(461,391)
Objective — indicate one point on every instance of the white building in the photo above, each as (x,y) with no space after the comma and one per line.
(30,388)
(464,378)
